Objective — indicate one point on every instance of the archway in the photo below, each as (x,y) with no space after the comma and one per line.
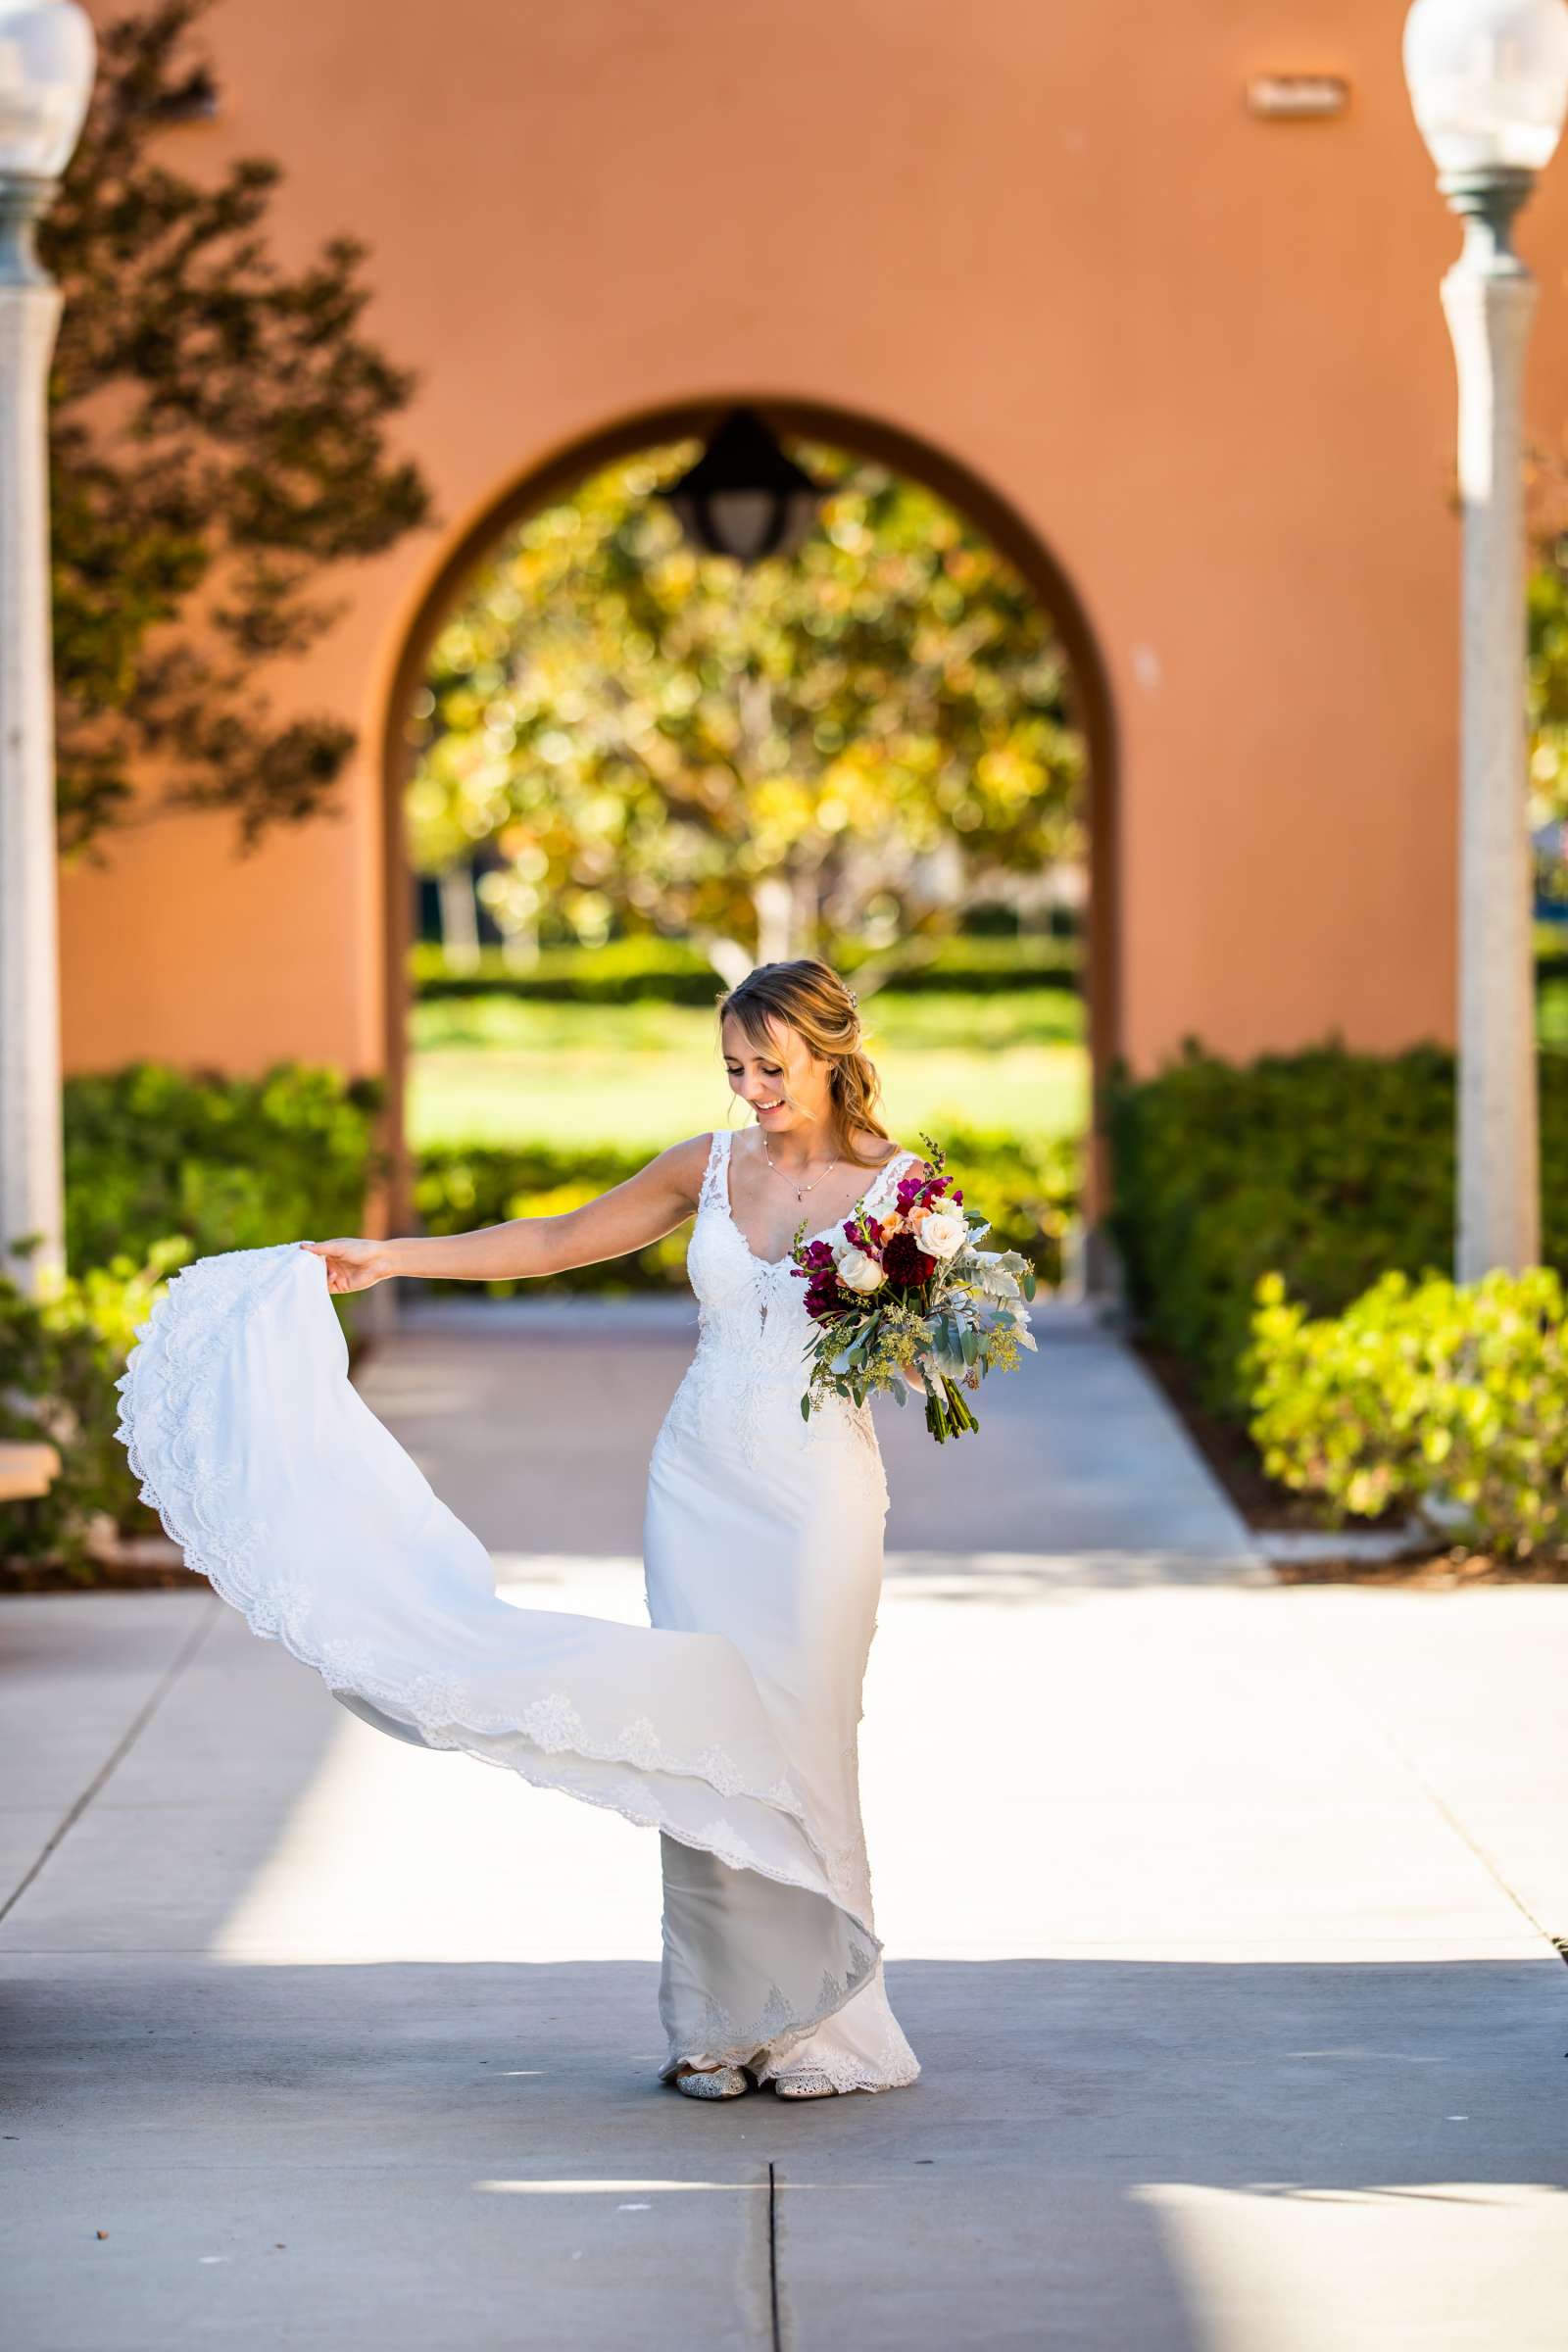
(866,436)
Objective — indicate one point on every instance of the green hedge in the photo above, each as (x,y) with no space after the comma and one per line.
(59,1364)
(1325,1167)
(1029,1188)
(162,1165)
(672,972)
(1444,1399)
(231,1163)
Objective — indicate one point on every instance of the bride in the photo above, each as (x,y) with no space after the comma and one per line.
(729,1723)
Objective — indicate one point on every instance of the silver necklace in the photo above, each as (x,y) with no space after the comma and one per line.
(800,1191)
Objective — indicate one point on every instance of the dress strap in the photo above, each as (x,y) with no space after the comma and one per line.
(895,1170)
(716,1175)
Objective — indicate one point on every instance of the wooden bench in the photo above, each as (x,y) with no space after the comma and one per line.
(27,1470)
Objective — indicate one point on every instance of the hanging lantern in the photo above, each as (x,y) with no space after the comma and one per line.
(744,498)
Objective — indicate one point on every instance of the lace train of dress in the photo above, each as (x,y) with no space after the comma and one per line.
(727,1723)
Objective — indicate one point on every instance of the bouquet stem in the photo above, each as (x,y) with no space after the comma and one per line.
(947,1414)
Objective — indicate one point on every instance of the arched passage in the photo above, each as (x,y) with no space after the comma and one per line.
(866,436)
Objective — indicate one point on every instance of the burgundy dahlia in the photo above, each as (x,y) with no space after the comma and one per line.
(906,1263)
(823,1297)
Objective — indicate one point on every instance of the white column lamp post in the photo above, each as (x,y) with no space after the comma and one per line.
(1488,83)
(46,71)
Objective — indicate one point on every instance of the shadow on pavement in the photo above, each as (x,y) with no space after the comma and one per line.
(1097,2155)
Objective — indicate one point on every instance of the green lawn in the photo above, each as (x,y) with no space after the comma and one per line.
(502,1070)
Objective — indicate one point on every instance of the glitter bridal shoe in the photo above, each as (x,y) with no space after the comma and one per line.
(810,2083)
(714,2083)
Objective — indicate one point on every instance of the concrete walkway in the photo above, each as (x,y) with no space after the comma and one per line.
(1220,1914)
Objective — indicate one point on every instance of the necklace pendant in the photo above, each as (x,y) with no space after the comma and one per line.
(800,1191)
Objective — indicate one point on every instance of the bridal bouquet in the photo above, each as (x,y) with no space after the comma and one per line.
(912,1289)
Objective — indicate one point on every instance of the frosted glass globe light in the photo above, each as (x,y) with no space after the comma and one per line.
(1489,80)
(46,68)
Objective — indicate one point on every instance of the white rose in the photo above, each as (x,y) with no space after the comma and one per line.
(942,1233)
(861,1273)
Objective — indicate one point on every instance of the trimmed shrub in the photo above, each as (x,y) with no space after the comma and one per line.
(59,1362)
(1325,1167)
(1446,1399)
(670,971)
(229,1163)
(161,1166)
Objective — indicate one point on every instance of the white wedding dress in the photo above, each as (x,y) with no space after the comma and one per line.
(729,1723)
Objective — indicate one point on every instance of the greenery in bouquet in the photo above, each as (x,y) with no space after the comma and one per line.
(912,1292)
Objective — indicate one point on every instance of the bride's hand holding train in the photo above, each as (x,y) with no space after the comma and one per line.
(350,1265)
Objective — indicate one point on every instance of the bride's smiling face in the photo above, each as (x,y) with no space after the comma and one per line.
(782,1083)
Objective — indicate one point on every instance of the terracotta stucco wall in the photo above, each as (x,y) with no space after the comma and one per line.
(1201,354)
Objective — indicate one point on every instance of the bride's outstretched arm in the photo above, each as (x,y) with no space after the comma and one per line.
(659,1197)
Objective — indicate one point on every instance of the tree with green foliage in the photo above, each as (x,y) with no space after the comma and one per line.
(871,734)
(217,442)
(1547,609)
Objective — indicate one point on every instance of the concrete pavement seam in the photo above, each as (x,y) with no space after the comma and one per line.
(122,1748)
(775,2337)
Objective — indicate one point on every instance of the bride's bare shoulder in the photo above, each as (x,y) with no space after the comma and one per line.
(878,1151)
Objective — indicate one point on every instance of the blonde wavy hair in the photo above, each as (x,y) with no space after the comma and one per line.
(808,996)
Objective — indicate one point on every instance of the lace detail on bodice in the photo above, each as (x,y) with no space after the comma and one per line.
(744,1385)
